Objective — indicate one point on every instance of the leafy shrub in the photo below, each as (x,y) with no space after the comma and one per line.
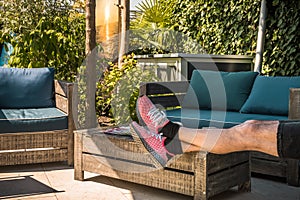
(118,90)
(46,34)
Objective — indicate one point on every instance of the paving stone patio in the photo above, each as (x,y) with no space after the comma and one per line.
(55,182)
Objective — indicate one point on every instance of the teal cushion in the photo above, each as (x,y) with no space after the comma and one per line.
(270,95)
(219,90)
(193,118)
(26,88)
(32,120)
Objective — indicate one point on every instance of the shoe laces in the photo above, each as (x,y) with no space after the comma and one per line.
(157,136)
(156,116)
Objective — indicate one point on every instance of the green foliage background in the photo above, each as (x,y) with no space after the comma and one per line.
(44,33)
(230,27)
(282,48)
(118,90)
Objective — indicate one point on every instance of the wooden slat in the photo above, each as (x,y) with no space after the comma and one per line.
(224,180)
(62,103)
(167,101)
(78,170)
(29,157)
(176,181)
(107,146)
(292,172)
(124,165)
(219,162)
(71,126)
(153,88)
(200,176)
(62,87)
(264,156)
(294,104)
(31,140)
(183,162)
(268,167)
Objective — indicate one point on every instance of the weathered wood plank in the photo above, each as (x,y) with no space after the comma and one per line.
(153,178)
(31,140)
(294,103)
(107,146)
(292,172)
(264,156)
(154,88)
(62,103)
(224,180)
(201,176)
(168,101)
(219,162)
(183,162)
(78,170)
(62,87)
(28,157)
(268,167)
(71,125)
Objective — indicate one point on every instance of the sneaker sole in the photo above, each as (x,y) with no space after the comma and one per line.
(156,158)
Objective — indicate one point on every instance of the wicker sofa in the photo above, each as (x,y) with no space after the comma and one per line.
(226,99)
(36,124)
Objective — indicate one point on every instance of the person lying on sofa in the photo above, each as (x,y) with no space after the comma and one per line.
(165,139)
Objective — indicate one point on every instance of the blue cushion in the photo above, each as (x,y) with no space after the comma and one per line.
(26,88)
(193,118)
(31,120)
(218,90)
(270,95)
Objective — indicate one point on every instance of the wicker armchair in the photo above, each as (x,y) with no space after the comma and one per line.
(42,146)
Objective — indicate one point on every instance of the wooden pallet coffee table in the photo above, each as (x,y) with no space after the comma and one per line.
(198,174)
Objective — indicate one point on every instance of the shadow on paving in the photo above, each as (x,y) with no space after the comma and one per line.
(22,186)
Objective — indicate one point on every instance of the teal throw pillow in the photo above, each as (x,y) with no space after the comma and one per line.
(26,88)
(270,95)
(219,90)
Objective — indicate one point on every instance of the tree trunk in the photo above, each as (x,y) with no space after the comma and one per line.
(125,14)
(90,117)
(90,26)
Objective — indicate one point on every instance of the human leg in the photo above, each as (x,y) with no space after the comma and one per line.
(277,138)
(250,135)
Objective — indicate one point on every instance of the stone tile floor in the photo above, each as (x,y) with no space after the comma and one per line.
(56,182)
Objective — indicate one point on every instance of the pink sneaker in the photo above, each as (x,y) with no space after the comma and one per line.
(149,115)
(153,143)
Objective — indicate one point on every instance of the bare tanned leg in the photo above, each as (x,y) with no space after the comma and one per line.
(250,135)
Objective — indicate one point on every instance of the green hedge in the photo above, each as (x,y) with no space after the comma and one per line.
(230,27)
(44,33)
(282,48)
